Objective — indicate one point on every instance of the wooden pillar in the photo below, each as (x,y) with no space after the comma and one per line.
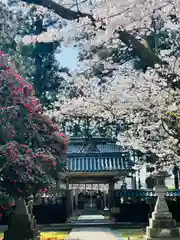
(58,186)
(76,199)
(91,203)
(67,183)
(68,199)
(110,194)
(91,193)
(133,181)
(105,202)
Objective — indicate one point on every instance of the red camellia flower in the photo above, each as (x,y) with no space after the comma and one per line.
(31,144)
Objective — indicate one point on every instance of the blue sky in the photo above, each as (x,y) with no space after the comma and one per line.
(68,58)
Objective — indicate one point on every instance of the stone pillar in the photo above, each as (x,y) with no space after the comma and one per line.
(161,225)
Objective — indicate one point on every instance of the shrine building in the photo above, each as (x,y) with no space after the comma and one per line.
(95,165)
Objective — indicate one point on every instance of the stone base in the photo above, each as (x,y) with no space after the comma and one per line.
(162,223)
(20,228)
(15,235)
(162,238)
(162,233)
(161,226)
(162,229)
(161,215)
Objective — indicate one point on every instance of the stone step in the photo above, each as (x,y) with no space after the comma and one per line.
(91,212)
(92,221)
(88,219)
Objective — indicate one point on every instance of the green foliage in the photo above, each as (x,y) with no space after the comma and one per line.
(36,61)
(46,72)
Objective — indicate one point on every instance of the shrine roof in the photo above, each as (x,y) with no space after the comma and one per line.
(101,163)
(97,155)
(77,145)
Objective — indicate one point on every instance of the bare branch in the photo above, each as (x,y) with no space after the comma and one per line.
(167,131)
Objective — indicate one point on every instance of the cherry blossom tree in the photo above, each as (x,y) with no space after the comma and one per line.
(145,103)
(32,148)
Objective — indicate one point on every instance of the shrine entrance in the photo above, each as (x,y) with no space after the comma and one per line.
(89,196)
(91,192)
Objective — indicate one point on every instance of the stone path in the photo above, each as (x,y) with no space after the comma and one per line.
(91,217)
(93,234)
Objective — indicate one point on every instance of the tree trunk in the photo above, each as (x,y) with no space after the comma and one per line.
(176,182)
(143,52)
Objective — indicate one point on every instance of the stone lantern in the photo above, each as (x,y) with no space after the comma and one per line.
(161,225)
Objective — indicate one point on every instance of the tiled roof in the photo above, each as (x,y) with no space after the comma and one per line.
(143,193)
(102,147)
(98,164)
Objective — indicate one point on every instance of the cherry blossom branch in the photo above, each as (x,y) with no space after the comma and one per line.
(63,12)
(128,39)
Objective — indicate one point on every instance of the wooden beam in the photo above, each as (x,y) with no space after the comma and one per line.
(97,174)
(90,181)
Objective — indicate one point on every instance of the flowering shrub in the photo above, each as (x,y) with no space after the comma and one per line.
(48,238)
(32,148)
(53,238)
(49,235)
